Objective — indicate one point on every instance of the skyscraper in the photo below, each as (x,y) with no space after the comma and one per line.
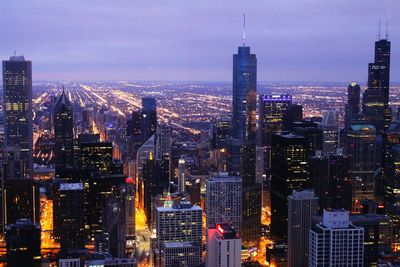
(376,98)
(63,132)
(361,147)
(302,206)
(289,171)
(242,145)
(149,117)
(23,244)
(336,241)
(69,216)
(224,201)
(178,226)
(17,106)
(352,107)
(244,94)
(272,111)
(223,247)
(330,132)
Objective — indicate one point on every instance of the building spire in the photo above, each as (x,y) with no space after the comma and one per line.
(379,30)
(386,33)
(244,29)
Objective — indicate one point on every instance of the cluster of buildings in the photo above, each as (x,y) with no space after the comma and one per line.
(266,186)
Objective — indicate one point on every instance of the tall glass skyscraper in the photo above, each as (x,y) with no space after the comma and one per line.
(244,94)
(242,145)
(149,117)
(17,106)
(64,133)
(376,97)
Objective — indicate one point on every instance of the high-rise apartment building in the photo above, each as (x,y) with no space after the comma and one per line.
(224,201)
(352,108)
(336,241)
(223,247)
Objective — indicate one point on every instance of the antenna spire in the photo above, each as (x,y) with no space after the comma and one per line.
(379,31)
(386,33)
(244,29)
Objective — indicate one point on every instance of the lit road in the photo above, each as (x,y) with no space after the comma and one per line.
(143,237)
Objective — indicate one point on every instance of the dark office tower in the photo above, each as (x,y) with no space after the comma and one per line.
(114,229)
(272,110)
(244,94)
(313,134)
(352,108)
(377,236)
(69,216)
(303,205)
(289,171)
(17,107)
(23,244)
(294,113)
(392,190)
(20,201)
(64,133)
(96,157)
(330,179)
(376,98)
(361,147)
(221,131)
(330,134)
(149,117)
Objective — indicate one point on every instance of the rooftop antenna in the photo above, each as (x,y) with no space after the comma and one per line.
(386,33)
(379,32)
(244,29)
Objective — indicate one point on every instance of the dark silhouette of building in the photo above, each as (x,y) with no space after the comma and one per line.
(376,98)
(64,133)
(294,113)
(149,117)
(289,171)
(23,244)
(330,179)
(69,216)
(96,157)
(313,134)
(17,107)
(20,201)
(361,147)
(272,110)
(352,107)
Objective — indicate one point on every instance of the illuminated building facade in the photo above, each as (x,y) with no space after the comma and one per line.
(289,171)
(376,98)
(17,107)
(361,147)
(223,247)
(336,241)
(224,201)
(272,109)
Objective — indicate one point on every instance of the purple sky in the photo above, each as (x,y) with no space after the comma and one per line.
(295,40)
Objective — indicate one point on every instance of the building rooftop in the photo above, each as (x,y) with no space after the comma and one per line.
(179,244)
(183,205)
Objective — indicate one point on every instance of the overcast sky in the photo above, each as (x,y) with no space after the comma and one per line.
(295,40)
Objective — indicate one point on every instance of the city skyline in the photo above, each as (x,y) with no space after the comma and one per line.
(171,41)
